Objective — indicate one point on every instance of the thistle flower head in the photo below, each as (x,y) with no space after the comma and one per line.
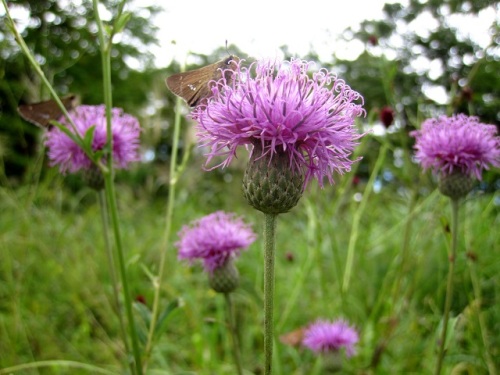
(278,106)
(215,239)
(457,144)
(325,336)
(70,157)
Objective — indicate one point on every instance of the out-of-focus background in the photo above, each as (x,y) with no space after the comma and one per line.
(410,60)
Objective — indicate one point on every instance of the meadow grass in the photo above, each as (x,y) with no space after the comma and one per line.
(56,297)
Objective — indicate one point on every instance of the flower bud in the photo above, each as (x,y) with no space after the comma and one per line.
(225,278)
(270,185)
(455,185)
(93,178)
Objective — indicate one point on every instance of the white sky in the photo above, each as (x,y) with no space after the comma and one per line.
(261,27)
(257,27)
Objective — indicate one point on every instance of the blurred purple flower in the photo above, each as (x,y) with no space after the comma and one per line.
(277,105)
(457,144)
(71,158)
(215,239)
(324,336)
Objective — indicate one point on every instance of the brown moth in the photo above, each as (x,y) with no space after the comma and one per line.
(193,86)
(293,338)
(42,113)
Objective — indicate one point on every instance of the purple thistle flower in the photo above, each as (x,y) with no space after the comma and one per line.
(280,107)
(324,336)
(71,158)
(457,144)
(215,239)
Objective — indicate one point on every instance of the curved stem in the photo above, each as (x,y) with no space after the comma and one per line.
(57,363)
(111,265)
(482,323)
(269,249)
(357,218)
(234,334)
(449,286)
(105,47)
(112,207)
(172,183)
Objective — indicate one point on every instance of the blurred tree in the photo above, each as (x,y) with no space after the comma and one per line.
(415,51)
(63,37)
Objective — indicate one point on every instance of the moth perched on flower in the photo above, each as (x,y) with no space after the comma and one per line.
(42,113)
(298,127)
(278,106)
(194,86)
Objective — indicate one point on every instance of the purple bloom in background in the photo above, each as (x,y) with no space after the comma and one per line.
(71,158)
(457,144)
(215,239)
(324,336)
(280,107)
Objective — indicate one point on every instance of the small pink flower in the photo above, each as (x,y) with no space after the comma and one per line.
(71,158)
(324,336)
(457,144)
(215,239)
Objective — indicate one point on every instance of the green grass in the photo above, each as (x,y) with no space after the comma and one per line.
(56,295)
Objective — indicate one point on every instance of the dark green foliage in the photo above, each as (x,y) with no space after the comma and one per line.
(55,293)
(64,41)
(469,71)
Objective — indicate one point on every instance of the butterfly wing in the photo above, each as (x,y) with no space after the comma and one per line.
(42,113)
(293,338)
(193,86)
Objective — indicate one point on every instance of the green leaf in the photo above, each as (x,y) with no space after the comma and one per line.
(108,29)
(121,22)
(68,132)
(88,138)
(144,312)
(142,335)
(450,331)
(161,323)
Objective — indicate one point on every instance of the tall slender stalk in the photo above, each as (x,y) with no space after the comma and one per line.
(269,250)
(449,286)
(111,265)
(105,47)
(172,183)
(357,217)
(234,335)
(482,324)
(476,287)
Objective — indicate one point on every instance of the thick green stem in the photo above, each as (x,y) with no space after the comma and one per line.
(449,286)
(234,335)
(269,248)
(105,47)
(110,192)
(111,265)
